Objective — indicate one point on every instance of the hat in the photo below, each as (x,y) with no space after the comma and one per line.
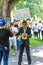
(2,22)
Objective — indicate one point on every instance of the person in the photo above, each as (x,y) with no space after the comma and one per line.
(16,25)
(42,30)
(14,20)
(35,29)
(13,40)
(4,42)
(25,32)
(39,27)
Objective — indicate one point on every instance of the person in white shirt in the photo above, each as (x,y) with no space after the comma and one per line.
(39,27)
(35,29)
(42,30)
(13,39)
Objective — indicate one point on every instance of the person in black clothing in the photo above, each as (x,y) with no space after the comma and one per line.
(4,42)
(25,33)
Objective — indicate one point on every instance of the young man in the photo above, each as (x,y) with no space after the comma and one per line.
(4,42)
(35,29)
(25,33)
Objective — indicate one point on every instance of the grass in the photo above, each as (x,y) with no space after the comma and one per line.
(35,42)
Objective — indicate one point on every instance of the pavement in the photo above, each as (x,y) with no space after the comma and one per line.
(36,56)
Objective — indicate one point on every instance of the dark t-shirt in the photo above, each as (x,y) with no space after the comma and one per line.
(4,38)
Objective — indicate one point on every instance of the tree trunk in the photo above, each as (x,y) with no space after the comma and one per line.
(6,12)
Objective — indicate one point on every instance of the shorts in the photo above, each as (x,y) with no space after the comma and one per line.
(35,33)
(13,41)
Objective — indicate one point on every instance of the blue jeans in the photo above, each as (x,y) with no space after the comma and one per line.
(4,54)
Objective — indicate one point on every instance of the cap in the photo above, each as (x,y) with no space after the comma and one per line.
(2,22)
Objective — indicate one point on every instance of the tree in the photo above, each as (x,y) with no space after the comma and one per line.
(35,6)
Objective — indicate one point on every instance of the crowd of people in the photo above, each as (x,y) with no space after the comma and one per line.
(9,37)
(38,30)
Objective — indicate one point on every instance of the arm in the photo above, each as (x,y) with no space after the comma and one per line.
(29,33)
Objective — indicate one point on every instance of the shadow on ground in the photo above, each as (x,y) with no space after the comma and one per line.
(36,56)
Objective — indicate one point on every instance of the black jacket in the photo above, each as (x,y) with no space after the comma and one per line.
(28,31)
(4,38)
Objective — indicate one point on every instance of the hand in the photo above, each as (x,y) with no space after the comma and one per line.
(6,48)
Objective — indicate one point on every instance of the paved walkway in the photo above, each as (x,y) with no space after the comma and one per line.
(36,55)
